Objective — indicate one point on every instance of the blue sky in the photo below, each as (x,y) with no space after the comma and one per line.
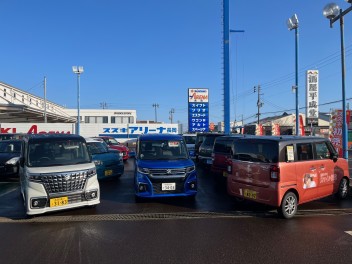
(137,53)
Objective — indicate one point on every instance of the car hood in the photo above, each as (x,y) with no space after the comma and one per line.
(120,148)
(164,164)
(6,156)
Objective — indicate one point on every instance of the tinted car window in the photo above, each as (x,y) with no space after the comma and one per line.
(223,146)
(304,151)
(190,139)
(208,141)
(257,151)
(322,150)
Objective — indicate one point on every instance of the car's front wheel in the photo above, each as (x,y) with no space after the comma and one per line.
(343,189)
(288,206)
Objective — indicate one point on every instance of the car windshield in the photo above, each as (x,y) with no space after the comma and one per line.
(112,141)
(257,151)
(10,146)
(57,152)
(162,150)
(97,148)
(209,141)
(190,139)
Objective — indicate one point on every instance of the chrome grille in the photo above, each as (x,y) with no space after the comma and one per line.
(64,182)
(165,172)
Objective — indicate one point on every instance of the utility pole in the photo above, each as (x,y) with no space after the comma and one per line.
(259,103)
(171,112)
(155,106)
(103,105)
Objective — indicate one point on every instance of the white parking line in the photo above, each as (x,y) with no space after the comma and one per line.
(9,191)
(349,232)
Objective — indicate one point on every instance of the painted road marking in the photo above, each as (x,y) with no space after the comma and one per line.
(349,232)
(9,190)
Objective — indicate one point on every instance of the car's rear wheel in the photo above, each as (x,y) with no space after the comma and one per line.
(343,189)
(288,206)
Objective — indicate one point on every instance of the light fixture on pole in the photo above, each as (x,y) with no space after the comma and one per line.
(156,106)
(292,23)
(333,12)
(78,70)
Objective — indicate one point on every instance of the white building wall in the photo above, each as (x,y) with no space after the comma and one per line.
(95,115)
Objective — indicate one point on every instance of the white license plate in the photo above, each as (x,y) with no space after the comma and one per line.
(169,186)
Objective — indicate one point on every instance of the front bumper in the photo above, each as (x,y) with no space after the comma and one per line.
(35,192)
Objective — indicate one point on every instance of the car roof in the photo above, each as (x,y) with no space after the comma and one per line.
(230,137)
(285,138)
(88,139)
(160,137)
(38,137)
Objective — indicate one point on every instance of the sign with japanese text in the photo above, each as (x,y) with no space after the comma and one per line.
(335,129)
(312,95)
(198,110)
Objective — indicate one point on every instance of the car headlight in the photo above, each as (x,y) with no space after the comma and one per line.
(190,169)
(143,170)
(34,177)
(12,161)
(98,162)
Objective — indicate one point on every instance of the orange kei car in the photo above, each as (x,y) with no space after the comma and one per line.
(284,171)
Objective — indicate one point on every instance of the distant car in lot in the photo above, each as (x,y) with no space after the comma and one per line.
(7,136)
(10,151)
(163,167)
(108,162)
(285,171)
(223,151)
(206,149)
(114,144)
(190,140)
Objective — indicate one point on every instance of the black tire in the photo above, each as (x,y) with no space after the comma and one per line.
(288,206)
(342,192)
(138,199)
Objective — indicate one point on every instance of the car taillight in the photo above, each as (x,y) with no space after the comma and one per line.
(274,173)
(229,166)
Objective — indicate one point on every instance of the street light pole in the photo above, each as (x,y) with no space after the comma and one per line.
(292,23)
(334,13)
(78,70)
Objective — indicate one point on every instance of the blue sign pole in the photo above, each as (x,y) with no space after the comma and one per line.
(226,66)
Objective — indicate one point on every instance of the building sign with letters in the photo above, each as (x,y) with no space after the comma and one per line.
(198,110)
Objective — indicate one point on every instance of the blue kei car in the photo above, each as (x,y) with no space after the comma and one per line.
(108,162)
(163,167)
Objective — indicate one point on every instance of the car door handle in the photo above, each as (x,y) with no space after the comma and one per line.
(312,168)
(322,167)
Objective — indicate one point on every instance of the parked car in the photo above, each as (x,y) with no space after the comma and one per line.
(163,167)
(7,136)
(56,172)
(10,151)
(285,171)
(223,151)
(190,140)
(114,144)
(206,149)
(108,162)
(131,144)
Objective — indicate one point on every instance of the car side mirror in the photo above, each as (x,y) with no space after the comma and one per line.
(334,157)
